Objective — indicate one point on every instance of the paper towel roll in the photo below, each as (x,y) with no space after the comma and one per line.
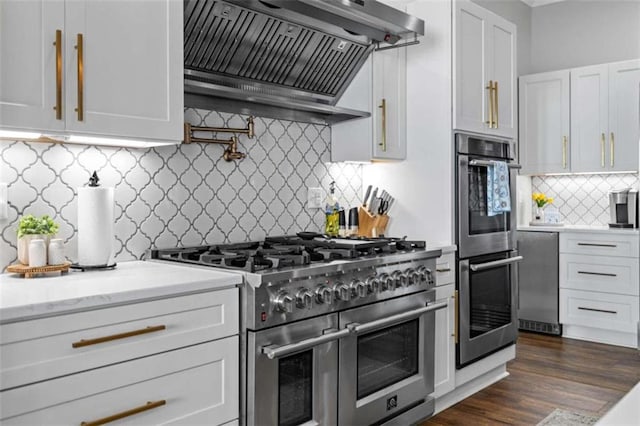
(95,226)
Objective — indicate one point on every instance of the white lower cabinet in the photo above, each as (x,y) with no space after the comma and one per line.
(164,361)
(194,385)
(599,287)
(445,346)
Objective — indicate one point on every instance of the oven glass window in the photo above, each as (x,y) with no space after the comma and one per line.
(490,299)
(479,221)
(295,387)
(387,356)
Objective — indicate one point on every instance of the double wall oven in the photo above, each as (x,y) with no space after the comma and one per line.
(487,259)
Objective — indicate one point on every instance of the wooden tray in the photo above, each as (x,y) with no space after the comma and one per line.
(30,272)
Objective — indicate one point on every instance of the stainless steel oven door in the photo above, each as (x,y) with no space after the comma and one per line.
(479,233)
(487,311)
(387,362)
(292,373)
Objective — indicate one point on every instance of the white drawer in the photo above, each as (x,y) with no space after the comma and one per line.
(600,273)
(199,385)
(446,269)
(600,244)
(599,310)
(43,348)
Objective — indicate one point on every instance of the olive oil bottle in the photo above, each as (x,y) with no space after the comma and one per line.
(331,211)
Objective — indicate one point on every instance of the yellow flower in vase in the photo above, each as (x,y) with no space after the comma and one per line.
(541,200)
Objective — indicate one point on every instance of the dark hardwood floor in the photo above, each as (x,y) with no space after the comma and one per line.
(549,373)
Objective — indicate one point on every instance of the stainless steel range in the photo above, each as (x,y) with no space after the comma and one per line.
(334,331)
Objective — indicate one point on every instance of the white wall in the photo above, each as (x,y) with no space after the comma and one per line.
(577,33)
(423,184)
(518,13)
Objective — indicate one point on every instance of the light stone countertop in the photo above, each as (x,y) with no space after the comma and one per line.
(445,247)
(26,298)
(580,228)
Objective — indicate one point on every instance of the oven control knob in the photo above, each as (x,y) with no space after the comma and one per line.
(304,298)
(426,276)
(411,279)
(358,288)
(284,302)
(342,292)
(373,285)
(386,282)
(401,279)
(324,295)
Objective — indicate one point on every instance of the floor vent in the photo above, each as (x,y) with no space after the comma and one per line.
(540,327)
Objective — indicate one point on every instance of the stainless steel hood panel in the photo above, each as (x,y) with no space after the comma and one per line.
(271,51)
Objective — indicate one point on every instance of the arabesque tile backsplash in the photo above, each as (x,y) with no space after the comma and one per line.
(181,195)
(583,199)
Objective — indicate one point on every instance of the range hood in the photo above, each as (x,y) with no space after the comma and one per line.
(289,59)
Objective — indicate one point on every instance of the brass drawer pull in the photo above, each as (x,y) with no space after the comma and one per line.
(148,406)
(58,45)
(383,106)
(597,310)
(80,49)
(495,104)
(597,273)
(602,150)
(98,340)
(612,150)
(443,270)
(564,152)
(597,245)
(490,98)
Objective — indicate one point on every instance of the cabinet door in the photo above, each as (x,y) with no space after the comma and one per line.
(589,118)
(470,83)
(28,69)
(389,104)
(445,355)
(624,115)
(502,70)
(544,122)
(129,80)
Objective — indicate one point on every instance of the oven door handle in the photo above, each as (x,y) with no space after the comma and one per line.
(274,351)
(482,266)
(395,319)
(487,163)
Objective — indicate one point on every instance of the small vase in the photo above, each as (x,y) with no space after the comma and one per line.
(538,215)
(23,245)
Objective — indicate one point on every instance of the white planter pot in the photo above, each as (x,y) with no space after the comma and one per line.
(23,246)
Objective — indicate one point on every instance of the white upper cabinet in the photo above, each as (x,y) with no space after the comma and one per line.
(117,72)
(544,123)
(604,117)
(380,88)
(484,71)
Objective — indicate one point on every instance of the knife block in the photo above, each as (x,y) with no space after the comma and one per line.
(371,225)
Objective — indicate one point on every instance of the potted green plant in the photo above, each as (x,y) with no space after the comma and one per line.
(32,228)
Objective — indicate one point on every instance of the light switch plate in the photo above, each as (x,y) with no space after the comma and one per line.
(314,198)
(4,201)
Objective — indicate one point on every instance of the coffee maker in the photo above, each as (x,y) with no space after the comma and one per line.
(623,205)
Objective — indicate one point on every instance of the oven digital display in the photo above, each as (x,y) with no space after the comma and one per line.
(387,356)
(295,389)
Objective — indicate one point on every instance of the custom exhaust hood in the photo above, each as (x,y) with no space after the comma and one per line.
(289,59)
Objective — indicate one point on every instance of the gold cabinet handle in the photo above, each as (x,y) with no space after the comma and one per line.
(383,106)
(104,339)
(612,150)
(602,150)
(456,311)
(564,152)
(58,45)
(495,105)
(79,48)
(490,89)
(148,406)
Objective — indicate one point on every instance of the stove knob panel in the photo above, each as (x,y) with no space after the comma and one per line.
(401,279)
(414,276)
(284,302)
(426,276)
(304,298)
(324,295)
(342,292)
(360,288)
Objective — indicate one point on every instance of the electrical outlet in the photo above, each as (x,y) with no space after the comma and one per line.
(314,198)
(4,201)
